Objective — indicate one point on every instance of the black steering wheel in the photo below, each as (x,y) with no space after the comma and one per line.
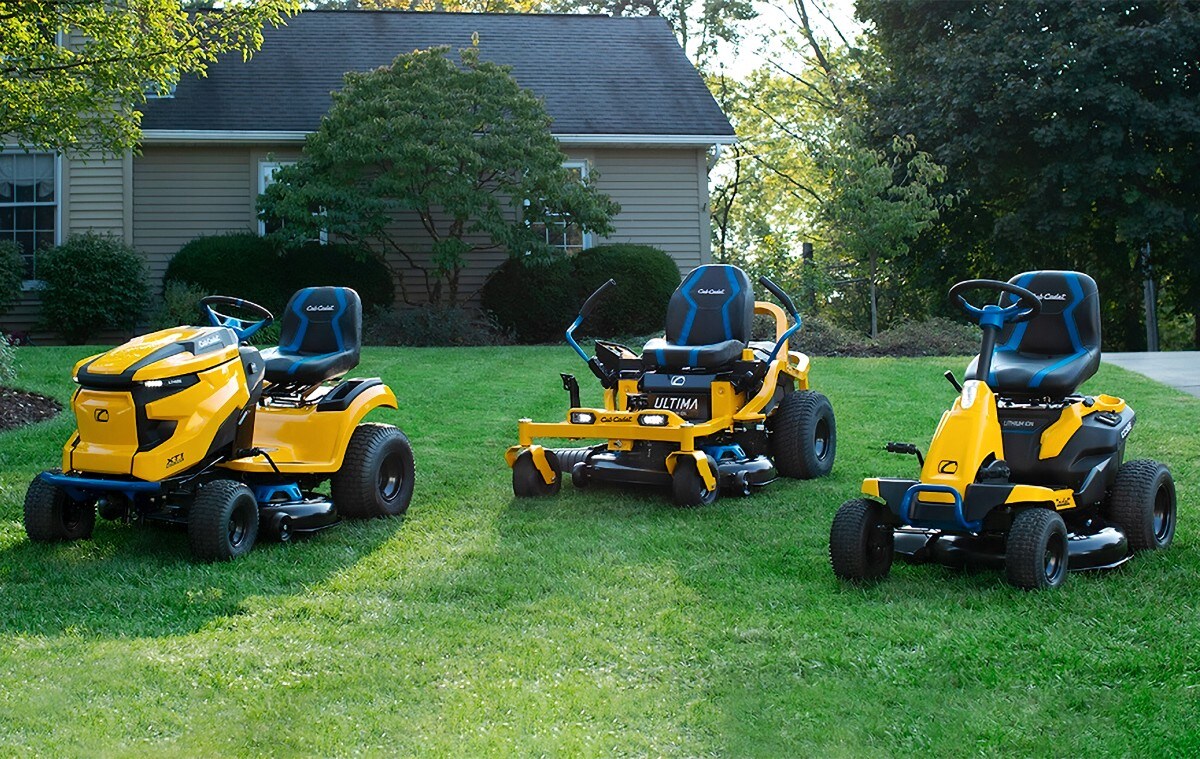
(1026,307)
(243,328)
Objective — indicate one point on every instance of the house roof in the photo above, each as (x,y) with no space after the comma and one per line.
(598,76)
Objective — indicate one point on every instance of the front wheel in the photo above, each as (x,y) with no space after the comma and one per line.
(861,542)
(1036,554)
(688,487)
(1142,504)
(223,521)
(51,515)
(803,435)
(376,476)
(527,480)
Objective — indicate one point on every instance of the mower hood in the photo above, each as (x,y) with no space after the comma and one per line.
(158,355)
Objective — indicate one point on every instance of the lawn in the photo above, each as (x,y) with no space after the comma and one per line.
(599,622)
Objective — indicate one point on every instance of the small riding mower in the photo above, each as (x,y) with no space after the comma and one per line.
(703,410)
(1023,473)
(192,426)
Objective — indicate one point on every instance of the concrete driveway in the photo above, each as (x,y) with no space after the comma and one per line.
(1179,369)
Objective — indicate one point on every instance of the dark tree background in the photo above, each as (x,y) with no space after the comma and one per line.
(1071,130)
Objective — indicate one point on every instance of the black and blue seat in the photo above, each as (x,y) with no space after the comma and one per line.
(1051,355)
(320,337)
(709,318)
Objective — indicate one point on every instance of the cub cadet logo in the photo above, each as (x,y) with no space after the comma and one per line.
(101,415)
(710,291)
(946,466)
(314,309)
(676,403)
(1061,502)
(612,419)
(205,342)
(1051,296)
(175,460)
(678,380)
(1126,430)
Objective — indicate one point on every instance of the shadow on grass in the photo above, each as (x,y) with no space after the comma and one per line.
(140,581)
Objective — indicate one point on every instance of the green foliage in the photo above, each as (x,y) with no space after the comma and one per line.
(180,305)
(245,265)
(538,299)
(936,336)
(460,149)
(12,274)
(8,361)
(84,94)
(646,277)
(1073,128)
(535,299)
(431,326)
(93,283)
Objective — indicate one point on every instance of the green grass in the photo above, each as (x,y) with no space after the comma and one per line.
(599,622)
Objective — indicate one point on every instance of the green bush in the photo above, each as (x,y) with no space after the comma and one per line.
(431,326)
(92,283)
(8,361)
(180,306)
(535,299)
(936,336)
(646,277)
(538,299)
(12,274)
(245,265)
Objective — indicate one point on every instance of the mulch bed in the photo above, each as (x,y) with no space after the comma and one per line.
(18,408)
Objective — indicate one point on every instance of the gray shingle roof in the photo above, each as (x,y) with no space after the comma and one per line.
(597,75)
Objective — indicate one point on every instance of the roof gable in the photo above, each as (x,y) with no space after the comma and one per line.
(597,75)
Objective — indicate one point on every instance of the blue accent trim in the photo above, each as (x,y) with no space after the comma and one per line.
(961,520)
(264,493)
(79,488)
(722,452)
(305,360)
(571,338)
(298,338)
(779,344)
(1018,333)
(337,331)
(1068,316)
(693,306)
(660,356)
(734,289)
(693,356)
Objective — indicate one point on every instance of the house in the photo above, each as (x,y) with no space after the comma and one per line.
(626,103)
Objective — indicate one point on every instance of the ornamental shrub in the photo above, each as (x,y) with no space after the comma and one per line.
(12,274)
(93,283)
(431,326)
(244,265)
(538,299)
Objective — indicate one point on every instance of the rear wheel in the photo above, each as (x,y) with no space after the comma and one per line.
(861,542)
(377,473)
(688,487)
(1142,504)
(1036,553)
(527,481)
(51,515)
(223,521)
(803,435)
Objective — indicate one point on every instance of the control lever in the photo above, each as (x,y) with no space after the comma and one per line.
(571,385)
(949,375)
(908,449)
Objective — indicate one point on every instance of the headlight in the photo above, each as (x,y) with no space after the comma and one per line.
(653,420)
(583,417)
(970,390)
(152,383)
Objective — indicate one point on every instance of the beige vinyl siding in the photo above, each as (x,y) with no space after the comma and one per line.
(94,196)
(183,192)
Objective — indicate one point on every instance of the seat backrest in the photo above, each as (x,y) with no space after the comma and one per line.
(1069,323)
(715,303)
(321,320)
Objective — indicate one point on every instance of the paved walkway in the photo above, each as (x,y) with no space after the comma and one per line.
(1179,369)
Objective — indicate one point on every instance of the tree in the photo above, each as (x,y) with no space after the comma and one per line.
(74,73)
(1074,126)
(461,150)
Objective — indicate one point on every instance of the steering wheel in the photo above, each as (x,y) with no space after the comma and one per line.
(1026,307)
(243,328)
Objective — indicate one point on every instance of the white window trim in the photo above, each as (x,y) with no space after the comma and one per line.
(585,241)
(266,170)
(28,285)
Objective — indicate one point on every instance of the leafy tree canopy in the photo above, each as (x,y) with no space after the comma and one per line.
(75,72)
(462,148)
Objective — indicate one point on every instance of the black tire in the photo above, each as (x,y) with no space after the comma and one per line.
(579,475)
(377,474)
(861,542)
(1036,554)
(52,516)
(803,435)
(1142,503)
(223,521)
(527,481)
(687,486)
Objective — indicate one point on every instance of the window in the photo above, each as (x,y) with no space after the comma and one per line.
(266,175)
(29,204)
(560,233)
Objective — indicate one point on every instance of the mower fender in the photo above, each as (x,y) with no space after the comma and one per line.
(706,472)
(538,453)
(870,487)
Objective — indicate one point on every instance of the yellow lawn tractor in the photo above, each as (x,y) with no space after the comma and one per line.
(703,410)
(192,426)
(1024,473)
